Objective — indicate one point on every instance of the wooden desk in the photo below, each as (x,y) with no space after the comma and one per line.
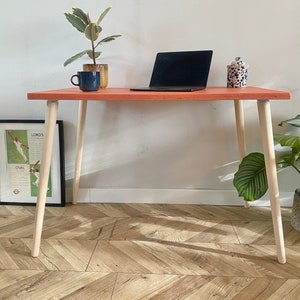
(121,94)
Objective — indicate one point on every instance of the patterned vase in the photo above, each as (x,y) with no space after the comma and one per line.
(237,73)
(295,218)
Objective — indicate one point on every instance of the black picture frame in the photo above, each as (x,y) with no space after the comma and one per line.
(20,158)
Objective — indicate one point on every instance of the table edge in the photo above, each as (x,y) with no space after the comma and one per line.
(125,94)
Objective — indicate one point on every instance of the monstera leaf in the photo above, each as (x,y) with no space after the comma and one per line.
(251,179)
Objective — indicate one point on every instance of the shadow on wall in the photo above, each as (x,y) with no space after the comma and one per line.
(158,145)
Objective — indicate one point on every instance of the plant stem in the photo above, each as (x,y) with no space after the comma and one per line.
(93,51)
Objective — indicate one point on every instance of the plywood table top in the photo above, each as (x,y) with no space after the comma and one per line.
(125,94)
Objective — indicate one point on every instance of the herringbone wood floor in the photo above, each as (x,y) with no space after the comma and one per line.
(139,251)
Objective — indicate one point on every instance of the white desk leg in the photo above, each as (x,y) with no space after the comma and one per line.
(50,122)
(79,147)
(240,130)
(264,112)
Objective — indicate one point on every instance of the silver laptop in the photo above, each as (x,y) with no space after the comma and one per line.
(179,71)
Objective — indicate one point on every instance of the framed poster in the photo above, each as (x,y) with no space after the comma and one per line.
(20,158)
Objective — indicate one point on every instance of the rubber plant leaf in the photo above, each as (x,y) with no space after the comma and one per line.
(92,32)
(108,39)
(103,15)
(96,54)
(99,29)
(251,179)
(81,15)
(76,22)
(74,57)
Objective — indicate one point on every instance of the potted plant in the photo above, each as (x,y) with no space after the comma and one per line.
(92,31)
(251,179)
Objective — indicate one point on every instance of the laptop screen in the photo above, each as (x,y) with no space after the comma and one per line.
(187,68)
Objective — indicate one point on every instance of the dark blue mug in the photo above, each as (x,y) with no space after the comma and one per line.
(87,81)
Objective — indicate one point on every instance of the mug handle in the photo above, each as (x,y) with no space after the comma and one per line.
(74,83)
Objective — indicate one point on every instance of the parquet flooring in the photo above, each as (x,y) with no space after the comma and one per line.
(144,251)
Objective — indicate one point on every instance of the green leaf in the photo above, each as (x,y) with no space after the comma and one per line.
(294,121)
(76,22)
(90,54)
(92,32)
(284,160)
(108,39)
(74,57)
(288,140)
(81,15)
(103,15)
(251,179)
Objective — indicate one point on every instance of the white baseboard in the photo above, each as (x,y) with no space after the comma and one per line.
(173,196)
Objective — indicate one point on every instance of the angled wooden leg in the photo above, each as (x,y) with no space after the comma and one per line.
(79,147)
(240,130)
(50,122)
(264,112)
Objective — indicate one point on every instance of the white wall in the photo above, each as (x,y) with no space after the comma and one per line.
(153,146)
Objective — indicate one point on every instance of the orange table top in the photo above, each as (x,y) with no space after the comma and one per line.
(124,94)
